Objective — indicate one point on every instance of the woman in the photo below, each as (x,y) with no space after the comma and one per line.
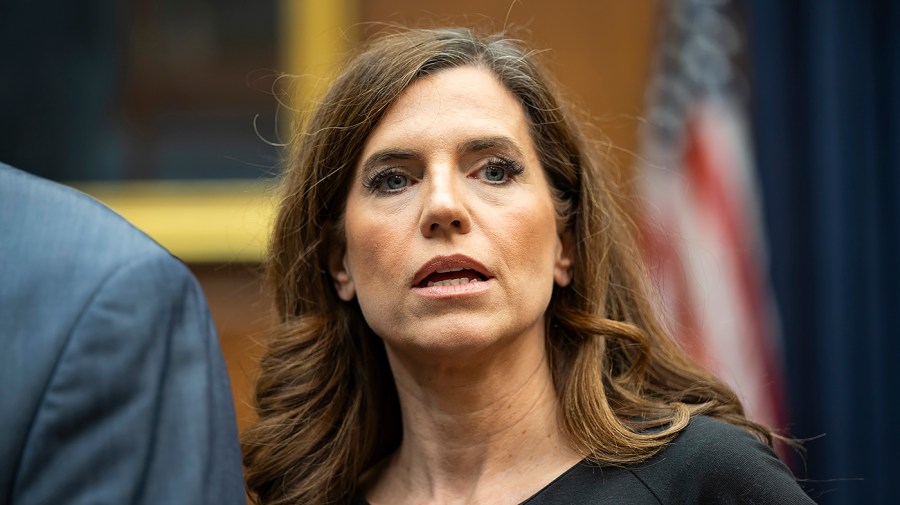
(463,315)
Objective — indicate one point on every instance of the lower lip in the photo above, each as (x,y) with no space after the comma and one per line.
(457,291)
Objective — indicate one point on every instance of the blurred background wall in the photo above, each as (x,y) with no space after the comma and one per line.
(171,111)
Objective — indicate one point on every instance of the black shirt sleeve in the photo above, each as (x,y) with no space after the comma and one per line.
(715,462)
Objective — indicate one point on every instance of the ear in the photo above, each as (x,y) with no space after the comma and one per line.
(562,268)
(340,274)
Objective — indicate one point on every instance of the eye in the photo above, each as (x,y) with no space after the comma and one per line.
(494,173)
(500,171)
(393,182)
(387,181)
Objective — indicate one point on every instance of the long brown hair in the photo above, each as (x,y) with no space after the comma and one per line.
(326,400)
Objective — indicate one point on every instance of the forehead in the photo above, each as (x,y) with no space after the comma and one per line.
(448,108)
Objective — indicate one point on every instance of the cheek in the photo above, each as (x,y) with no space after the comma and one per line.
(533,240)
(371,252)
(373,230)
(372,259)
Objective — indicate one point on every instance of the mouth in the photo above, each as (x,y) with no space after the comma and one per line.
(451,277)
(450,271)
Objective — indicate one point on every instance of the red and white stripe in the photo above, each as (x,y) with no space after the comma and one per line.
(704,243)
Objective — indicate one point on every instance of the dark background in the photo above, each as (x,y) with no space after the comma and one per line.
(104,89)
(826,82)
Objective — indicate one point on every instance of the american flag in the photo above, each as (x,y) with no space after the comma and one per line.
(703,232)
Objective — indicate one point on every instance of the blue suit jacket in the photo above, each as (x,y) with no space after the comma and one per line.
(112,385)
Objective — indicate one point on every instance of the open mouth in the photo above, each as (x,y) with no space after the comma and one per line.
(454,270)
(451,277)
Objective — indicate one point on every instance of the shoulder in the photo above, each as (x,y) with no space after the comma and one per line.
(59,250)
(58,245)
(46,220)
(66,260)
(708,462)
(713,461)
(94,315)
(706,437)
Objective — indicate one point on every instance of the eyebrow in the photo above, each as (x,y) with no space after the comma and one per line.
(387,155)
(487,143)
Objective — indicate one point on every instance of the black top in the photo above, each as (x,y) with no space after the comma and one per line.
(708,462)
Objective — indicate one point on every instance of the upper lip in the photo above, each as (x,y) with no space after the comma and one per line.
(449,262)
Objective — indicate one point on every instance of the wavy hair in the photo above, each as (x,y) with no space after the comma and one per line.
(325,398)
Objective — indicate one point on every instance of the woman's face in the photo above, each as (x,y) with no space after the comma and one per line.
(452,242)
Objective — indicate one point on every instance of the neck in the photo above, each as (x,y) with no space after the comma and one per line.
(473,433)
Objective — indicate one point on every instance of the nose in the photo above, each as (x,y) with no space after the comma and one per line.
(444,210)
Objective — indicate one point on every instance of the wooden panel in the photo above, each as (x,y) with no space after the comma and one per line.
(242,314)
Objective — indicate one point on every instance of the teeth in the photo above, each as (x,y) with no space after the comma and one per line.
(449,270)
(452,282)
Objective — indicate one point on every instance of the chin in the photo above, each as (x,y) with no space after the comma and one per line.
(464,342)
